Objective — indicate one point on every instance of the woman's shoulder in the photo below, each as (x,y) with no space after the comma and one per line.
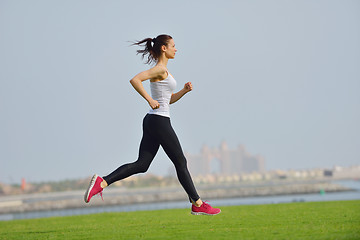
(160,71)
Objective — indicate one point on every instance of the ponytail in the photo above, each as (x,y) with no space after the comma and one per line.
(152,47)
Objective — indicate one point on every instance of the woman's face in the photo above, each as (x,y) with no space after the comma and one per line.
(170,49)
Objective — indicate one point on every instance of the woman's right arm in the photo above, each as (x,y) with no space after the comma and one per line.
(156,73)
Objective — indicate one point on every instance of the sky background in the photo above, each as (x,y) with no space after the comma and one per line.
(280,77)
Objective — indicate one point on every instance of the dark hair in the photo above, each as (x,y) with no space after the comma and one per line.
(152,47)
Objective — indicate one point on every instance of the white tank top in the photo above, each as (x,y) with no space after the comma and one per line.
(161,91)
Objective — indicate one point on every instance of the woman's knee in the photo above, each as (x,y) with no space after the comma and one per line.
(180,162)
(139,166)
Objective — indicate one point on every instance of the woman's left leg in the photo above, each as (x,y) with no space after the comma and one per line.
(171,145)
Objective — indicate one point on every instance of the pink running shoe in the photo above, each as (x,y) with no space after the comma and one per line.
(204,209)
(94,188)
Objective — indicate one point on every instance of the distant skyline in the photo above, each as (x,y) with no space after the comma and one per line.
(224,160)
(280,77)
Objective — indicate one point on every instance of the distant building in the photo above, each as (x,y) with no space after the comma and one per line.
(224,161)
(328,173)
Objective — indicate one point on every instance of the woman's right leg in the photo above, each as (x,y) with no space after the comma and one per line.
(147,151)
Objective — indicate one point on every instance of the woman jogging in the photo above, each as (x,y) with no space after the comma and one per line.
(157,129)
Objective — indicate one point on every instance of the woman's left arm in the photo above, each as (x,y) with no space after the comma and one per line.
(176,96)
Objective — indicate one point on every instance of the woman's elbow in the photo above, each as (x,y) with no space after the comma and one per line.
(132,81)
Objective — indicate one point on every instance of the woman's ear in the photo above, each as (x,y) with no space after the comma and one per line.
(163,48)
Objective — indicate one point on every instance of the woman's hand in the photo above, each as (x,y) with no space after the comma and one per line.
(176,96)
(154,104)
(188,87)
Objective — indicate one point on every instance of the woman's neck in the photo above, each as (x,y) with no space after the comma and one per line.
(163,61)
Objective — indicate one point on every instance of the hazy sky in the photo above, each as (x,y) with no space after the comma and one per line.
(280,77)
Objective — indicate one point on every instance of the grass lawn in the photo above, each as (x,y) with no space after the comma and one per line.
(309,220)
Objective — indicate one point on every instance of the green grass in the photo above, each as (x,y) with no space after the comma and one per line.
(313,220)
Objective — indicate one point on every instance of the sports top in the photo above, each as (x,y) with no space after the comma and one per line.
(161,91)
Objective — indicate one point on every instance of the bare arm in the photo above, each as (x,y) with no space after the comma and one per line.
(176,96)
(156,72)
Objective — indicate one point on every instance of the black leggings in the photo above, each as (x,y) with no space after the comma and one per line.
(157,130)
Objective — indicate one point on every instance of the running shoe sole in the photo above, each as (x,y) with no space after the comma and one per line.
(91,185)
(203,213)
